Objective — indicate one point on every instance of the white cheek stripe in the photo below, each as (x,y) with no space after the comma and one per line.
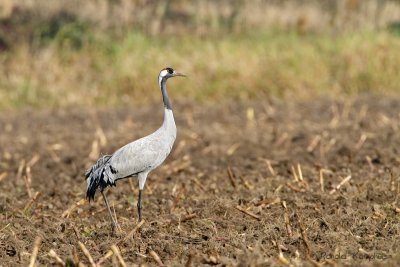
(163,73)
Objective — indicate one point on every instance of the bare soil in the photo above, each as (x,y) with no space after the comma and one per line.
(334,164)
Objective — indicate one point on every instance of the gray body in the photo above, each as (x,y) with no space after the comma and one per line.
(143,155)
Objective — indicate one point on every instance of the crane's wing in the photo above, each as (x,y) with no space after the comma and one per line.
(141,155)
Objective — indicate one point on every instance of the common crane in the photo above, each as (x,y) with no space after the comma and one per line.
(137,158)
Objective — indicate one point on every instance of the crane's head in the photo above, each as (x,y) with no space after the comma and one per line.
(169,72)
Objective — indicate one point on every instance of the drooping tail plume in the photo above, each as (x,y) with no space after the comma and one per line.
(98,176)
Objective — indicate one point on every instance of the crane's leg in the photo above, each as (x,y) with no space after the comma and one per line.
(142,180)
(113,222)
(139,205)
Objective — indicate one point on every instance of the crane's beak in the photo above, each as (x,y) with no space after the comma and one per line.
(179,74)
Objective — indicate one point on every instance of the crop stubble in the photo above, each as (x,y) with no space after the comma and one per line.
(263,183)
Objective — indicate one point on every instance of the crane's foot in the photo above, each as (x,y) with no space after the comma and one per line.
(114,229)
(139,217)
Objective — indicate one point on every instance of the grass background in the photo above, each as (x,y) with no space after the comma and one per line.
(68,53)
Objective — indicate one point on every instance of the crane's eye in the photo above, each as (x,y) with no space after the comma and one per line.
(170,70)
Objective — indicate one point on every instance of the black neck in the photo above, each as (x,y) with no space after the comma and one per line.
(163,89)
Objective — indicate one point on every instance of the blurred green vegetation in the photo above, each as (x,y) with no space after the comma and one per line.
(64,59)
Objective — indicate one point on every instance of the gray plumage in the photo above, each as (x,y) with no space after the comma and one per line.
(137,158)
